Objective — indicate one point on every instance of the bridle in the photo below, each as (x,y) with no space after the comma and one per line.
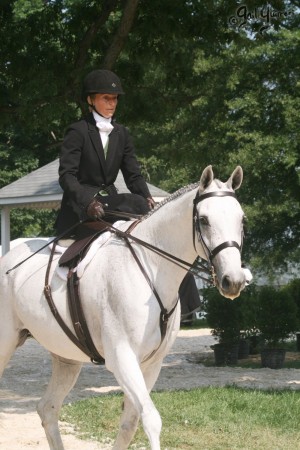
(211,254)
(198,266)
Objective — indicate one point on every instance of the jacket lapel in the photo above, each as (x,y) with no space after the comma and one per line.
(96,141)
(112,147)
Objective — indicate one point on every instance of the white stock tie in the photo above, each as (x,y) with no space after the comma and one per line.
(105,129)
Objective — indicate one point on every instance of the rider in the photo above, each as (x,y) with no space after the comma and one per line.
(94,149)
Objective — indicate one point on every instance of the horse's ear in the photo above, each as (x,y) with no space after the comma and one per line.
(235,179)
(206,178)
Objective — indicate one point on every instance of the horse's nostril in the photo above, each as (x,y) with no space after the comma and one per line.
(226,282)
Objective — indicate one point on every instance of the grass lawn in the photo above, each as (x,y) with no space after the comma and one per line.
(201,419)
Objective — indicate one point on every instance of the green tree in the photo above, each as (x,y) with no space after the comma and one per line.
(198,91)
(243,108)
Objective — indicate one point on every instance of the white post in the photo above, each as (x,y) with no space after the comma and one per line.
(5,229)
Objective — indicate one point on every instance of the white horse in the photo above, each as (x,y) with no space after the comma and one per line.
(121,309)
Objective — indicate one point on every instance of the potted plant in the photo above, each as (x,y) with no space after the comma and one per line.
(223,316)
(277,319)
(250,335)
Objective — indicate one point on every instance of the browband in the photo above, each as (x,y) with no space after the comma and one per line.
(199,198)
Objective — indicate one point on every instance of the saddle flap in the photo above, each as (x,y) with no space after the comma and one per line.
(85,235)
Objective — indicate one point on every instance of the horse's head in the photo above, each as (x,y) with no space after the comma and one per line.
(219,225)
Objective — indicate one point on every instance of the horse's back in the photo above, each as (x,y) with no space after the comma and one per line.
(21,251)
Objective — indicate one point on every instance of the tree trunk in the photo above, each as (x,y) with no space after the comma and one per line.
(119,39)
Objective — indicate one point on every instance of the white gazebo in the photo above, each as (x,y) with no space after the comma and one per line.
(40,189)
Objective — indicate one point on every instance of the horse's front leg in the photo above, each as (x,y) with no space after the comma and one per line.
(130,416)
(64,375)
(128,425)
(138,403)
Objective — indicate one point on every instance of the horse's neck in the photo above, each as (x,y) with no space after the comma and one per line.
(170,228)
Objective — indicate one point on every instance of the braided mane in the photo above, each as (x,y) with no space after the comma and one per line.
(171,197)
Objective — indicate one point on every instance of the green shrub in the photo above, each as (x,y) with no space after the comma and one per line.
(277,315)
(249,306)
(223,316)
(293,288)
(273,314)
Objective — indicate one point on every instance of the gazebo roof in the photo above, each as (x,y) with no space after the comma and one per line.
(40,189)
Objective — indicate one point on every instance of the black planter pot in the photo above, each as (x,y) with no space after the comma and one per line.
(254,345)
(273,358)
(226,354)
(244,348)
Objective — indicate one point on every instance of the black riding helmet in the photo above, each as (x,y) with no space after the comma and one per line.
(101,82)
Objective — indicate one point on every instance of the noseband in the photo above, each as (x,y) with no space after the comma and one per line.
(210,254)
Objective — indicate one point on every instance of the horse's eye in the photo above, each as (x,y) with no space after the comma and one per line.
(203,220)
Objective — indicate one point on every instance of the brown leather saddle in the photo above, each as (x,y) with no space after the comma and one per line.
(86,233)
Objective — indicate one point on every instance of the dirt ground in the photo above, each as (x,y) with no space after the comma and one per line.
(27,374)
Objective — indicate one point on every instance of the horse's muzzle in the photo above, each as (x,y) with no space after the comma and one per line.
(231,287)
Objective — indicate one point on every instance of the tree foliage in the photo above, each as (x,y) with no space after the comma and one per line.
(204,85)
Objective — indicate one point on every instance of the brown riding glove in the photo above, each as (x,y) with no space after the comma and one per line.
(151,202)
(95,210)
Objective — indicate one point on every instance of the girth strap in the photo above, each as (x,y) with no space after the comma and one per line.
(78,319)
(79,343)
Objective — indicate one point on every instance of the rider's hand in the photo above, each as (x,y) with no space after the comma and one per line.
(151,202)
(95,210)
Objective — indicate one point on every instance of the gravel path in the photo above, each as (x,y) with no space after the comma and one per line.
(27,375)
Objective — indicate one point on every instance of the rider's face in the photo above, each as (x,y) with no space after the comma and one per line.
(105,104)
